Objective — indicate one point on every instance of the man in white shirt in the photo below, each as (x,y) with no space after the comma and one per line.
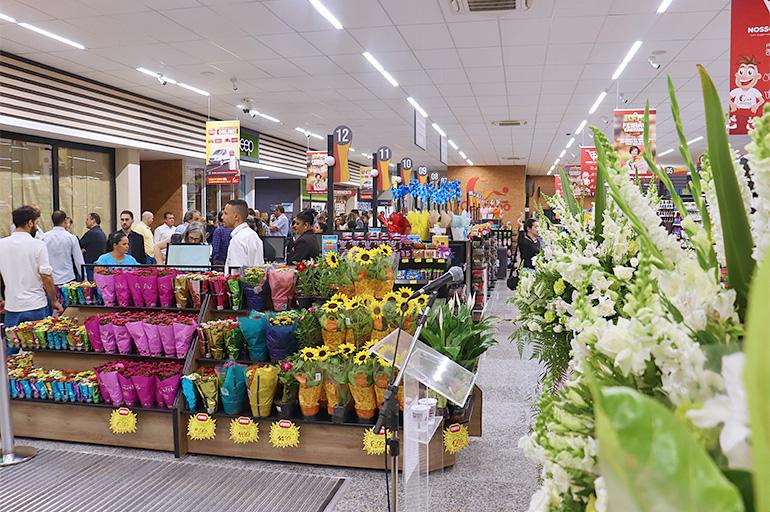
(26,272)
(280,224)
(245,248)
(165,230)
(64,252)
(39,234)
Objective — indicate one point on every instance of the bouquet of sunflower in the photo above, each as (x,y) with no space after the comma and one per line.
(383,371)
(396,305)
(308,330)
(380,327)
(308,372)
(334,321)
(361,383)
(281,339)
(360,318)
(335,369)
(374,270)
(336,276)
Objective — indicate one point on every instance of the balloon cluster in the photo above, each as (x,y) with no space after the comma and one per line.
(437,193)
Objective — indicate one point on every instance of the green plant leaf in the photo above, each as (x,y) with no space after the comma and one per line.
(735,222)
(651,463)
(742,480)
(757,380)
(568,193)
(600,203)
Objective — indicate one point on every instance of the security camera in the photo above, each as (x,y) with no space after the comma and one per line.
(651,62)
(234,81)
(162,80)
(604,119)
(246,110)
(253,113)
(623,98)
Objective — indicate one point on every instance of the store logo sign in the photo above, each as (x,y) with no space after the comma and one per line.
(249,144)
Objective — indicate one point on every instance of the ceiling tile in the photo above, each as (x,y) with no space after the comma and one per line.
(568,54)
(475,34)
(279,68)
(333,42)
(480,57)
(448,76)
(253,18)
(397,61)
(318,65)
(524,55)
(679,26)
(491,74)
(572,8)
(439,59)
(289,45)
(239,69)
(380,39)
(582,29)
(427,36)
(202,19)
(625,28)
(450,90)
(524,32)
(489,88)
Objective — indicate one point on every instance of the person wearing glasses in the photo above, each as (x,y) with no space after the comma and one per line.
(195,234)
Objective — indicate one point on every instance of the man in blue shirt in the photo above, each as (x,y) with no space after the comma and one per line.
(64,253)
(280,224)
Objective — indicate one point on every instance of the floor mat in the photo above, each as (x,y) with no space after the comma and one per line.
(66,481)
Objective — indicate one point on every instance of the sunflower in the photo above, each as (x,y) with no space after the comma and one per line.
(385,249)
(403,293)
(391,297)
(364,258)
(322,353)
(332,260)
(407,308)
(339,298)
(382,362)
(369,344)
(366,299)
(361,357)
(355,303)
(346,349)
(354,250)
(332,307)
(308,353)
(375,308)
(421,301)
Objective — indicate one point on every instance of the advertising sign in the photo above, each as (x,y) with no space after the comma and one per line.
(420,133)
(574,173)
(588,169)
(223,152)
(328,243)
(749,63)
(629,141)
(249,145)
(366,183)
(383,167)
(317,172)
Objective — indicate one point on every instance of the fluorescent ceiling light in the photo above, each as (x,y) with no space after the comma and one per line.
(469,162)
(451,143)
(59,38)
(149,72)
(160,77)
(563,152)
(193,89)
(417,106)
(666,152)
(696,139)
(598,102)
(571,142)
(439,130)
(261,177)
(323,11)
(308,133)
(551,169)
(663,6)
(269,118)
(5,17)
(557,162)
(582,125)
(381,69)
(630,55)
(463,155)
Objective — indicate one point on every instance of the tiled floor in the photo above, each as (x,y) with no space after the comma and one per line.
(491,474)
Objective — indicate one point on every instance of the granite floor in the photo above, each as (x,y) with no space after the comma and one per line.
(491,474)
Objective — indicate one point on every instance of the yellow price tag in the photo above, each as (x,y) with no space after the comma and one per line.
(404,260)
(413,281)
(418,260)
(429,260)
(442,260)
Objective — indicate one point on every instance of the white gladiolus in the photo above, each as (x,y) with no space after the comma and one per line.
(601,504)
(759,160)
(626,345)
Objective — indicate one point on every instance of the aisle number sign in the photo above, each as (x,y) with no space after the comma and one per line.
(383,167)
(343,137)
(406,170)
(223,152)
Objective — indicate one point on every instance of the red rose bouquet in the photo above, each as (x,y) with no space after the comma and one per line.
(135,328)
(107,335)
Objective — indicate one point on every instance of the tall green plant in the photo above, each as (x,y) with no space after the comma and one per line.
(451,331)
(568,193)
(735,222)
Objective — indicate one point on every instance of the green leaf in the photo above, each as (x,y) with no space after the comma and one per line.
(735,222)
(757,381)
(651,463)
(568,193)
(600,203)
(742,480)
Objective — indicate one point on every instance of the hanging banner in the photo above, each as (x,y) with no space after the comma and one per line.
(366,183)
(383,168)
(749,63)
(317,172)
(420,132)
(629,141)
(588,169)
(343,136)
(574,173)
(406,170)
(223,152)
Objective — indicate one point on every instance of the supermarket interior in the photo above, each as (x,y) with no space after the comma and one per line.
(384,255)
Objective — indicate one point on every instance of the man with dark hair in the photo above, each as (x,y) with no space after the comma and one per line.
(245,249)
(280,224)
(189,216)
(64,252)
(135,240)
(26,272)
(92,242)
(165,230)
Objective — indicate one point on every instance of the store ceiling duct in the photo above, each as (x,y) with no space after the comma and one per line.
(509,122)
(472,6)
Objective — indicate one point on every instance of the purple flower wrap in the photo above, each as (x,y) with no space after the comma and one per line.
(183,334)
(167,340)
(153,339)
(108,338)
(149,290)
(109,386)
(122,339)
(166,291)
(135,287)
(94,336)
(145,389)
(106,285)
(166,391)
(139,336)
(129,393)
(122,291)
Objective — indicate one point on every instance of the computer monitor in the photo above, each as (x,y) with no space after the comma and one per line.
(185,255)
(274,248)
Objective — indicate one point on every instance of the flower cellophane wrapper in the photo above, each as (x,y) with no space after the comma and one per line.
(167,340)
(149,285)
(122,290)
(255,297)
(145,389)
(235,293)
(182,291)
(183,334)
(122,339)
(166,391)
(135,288)
(310,389)
(262,382)
(166,291)
(219,290)
(281,287)
(209,391)
(128,391)
(106,284)
(153,339)
(139,337)
(107,335)
(110,386)
(254,329)
(196,291)
(362,389)
(216,339)
(281,341)
(232,386)
(190,392)
(233,343)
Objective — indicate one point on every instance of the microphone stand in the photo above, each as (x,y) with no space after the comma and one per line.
(390,408)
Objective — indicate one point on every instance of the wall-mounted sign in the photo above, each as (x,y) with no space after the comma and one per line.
(223,152)
(316,172)
(443,153)
(588,169)
(249,145)
(749,63)
(343,137)
(420,133)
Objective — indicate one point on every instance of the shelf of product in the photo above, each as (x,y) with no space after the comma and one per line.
(483,265)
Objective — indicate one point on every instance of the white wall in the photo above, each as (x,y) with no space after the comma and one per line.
(128,181)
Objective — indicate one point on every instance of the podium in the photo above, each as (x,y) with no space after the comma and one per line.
(426,369)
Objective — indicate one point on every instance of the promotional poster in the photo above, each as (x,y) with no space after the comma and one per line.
(749,63)
(317,171)
(574,173)
(588,169)
(366,182)
(629,141)
(223,152)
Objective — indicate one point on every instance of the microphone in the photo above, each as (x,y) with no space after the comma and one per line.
(453,275)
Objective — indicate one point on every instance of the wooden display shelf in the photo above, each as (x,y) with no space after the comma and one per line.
(89,423)
(112,309)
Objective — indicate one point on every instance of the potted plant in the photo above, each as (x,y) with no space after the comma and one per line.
(308,331)
(361,323)
(307,371)
(336,369)
(334,321)
(308,276)
(361,383)
(287,406)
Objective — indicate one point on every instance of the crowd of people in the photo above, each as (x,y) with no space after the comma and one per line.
(33,263)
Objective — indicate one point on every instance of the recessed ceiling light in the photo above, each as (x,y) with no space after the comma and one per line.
(696,139)
(5,17)
(469,162)
(463,155)
(417,106)
(269,118)
(510,122)
(630,55)
(582,125)
(451,143)
(663,6)
(375,63)
(59,38)
(563,152)
(193,89)
(666,152)
(598,102)
(438,129)
(570,143)
(326,13)
(557,162)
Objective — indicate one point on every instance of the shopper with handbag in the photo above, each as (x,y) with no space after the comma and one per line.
(528,246)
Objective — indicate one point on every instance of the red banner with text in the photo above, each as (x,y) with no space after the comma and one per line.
(588,169)
(749,63)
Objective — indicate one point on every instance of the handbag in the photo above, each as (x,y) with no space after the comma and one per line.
(513,277)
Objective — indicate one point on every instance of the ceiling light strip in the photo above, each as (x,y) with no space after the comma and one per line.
(59,38)
(326,13)
(630,55)
(5,17)
(598,102)
(570,143)
(696,139)
(439,130)
(451,143)
(417,106)
(582,125)
(663,6)
(375,63)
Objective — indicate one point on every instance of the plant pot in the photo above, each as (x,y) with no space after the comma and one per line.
(310,411)
(305,302)
(366,416)
(457,414)
(286,410)
(342,414)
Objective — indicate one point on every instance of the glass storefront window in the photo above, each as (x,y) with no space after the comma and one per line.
(25,178)
(207,198)
(85,185)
